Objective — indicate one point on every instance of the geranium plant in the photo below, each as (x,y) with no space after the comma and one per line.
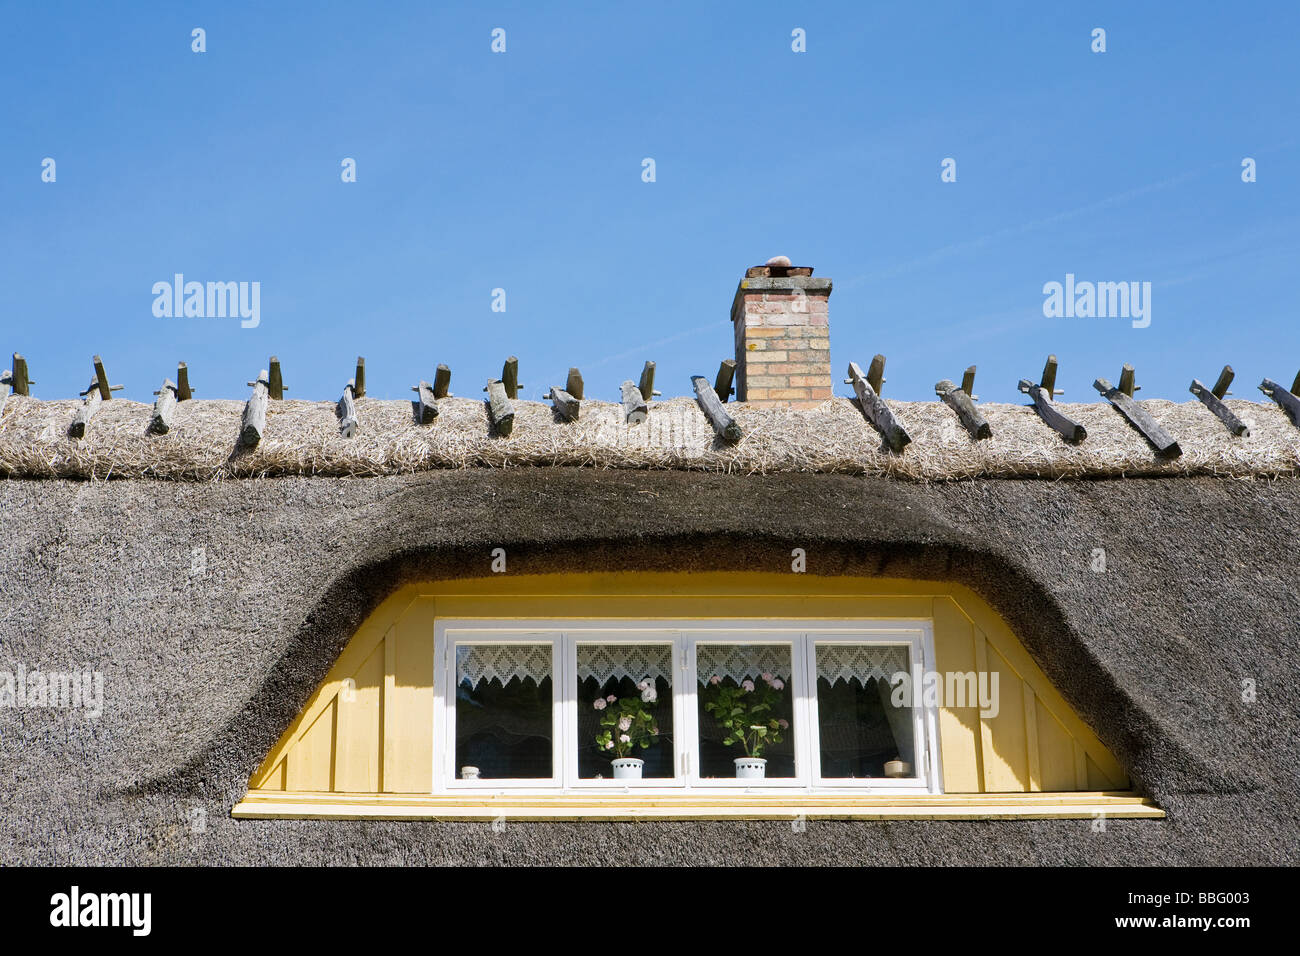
(745,712)
(628,722)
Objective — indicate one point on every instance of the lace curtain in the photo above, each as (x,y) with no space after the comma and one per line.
(479,663)
(859,662)
(635,661)
(476,663)
(741,661)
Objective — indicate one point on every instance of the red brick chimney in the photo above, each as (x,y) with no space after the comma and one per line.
(783,347)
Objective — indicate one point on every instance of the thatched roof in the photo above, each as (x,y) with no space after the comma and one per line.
(203,672)
(302,438)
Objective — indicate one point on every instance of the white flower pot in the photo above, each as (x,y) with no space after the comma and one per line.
(751,768)
(628,768)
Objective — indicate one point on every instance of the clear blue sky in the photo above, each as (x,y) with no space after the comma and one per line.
(522,171)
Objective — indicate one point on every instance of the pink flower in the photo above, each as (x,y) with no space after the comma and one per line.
(611,698)
(768,678)
(625,738)
(778,684)
(785,724)
(599,704)
(654,730)
(625,723)
(715,679)
(609,745)
(747,685)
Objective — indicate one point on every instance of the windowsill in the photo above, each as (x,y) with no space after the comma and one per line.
(272,805)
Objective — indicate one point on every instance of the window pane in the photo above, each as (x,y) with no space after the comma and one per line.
(859,729)
(745,706)
(504,711)
(625,691)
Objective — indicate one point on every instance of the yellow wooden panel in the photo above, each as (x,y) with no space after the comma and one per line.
(383,726)
(311,760)
(997,631)
(1055,753)
(408,704)
(1006,763)
(1097,780)
(959,727)
(356,756)
(1031,737)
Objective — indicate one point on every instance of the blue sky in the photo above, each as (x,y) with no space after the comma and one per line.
(522,171)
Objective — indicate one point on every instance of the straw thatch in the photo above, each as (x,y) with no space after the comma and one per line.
(204,670)
(302,438)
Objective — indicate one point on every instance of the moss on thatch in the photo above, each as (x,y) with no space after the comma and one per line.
(302,438)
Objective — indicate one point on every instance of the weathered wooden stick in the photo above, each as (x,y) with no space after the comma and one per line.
(876,409)
(1295,384)
(360,390)
(6,379)
(101,380)
(94,399)
(1221,411)
(20,382)
(711,405)
(959,401)
(1070,430)
(1288,400)
(183,391)
(275,387)
(163,409)
(634,405)
(1048,382)
(1127,381)
(1225,379)
(876,374)
(1165,444)
(253,425)
(442,382)
(510,378)
(347,410)
(573,384)
(968,383)
(500,410)
(723,383)
(428,405)
(568,406)
(647,384)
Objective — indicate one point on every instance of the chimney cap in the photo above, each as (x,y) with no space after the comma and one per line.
(778,267)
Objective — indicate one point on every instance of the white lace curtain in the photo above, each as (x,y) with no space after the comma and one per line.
(741,661)
(477,663)
(636,661)
(859,662)
(483,663)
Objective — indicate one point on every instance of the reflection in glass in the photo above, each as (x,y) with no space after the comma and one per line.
(625,691)
(745,708)
(858,727)
(504,708)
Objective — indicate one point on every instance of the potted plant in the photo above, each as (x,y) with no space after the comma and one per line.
(745,713)
(628,723)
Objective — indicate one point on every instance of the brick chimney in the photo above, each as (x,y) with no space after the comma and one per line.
(783,348)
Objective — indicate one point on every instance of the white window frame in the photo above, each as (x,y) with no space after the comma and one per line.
(684,635)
